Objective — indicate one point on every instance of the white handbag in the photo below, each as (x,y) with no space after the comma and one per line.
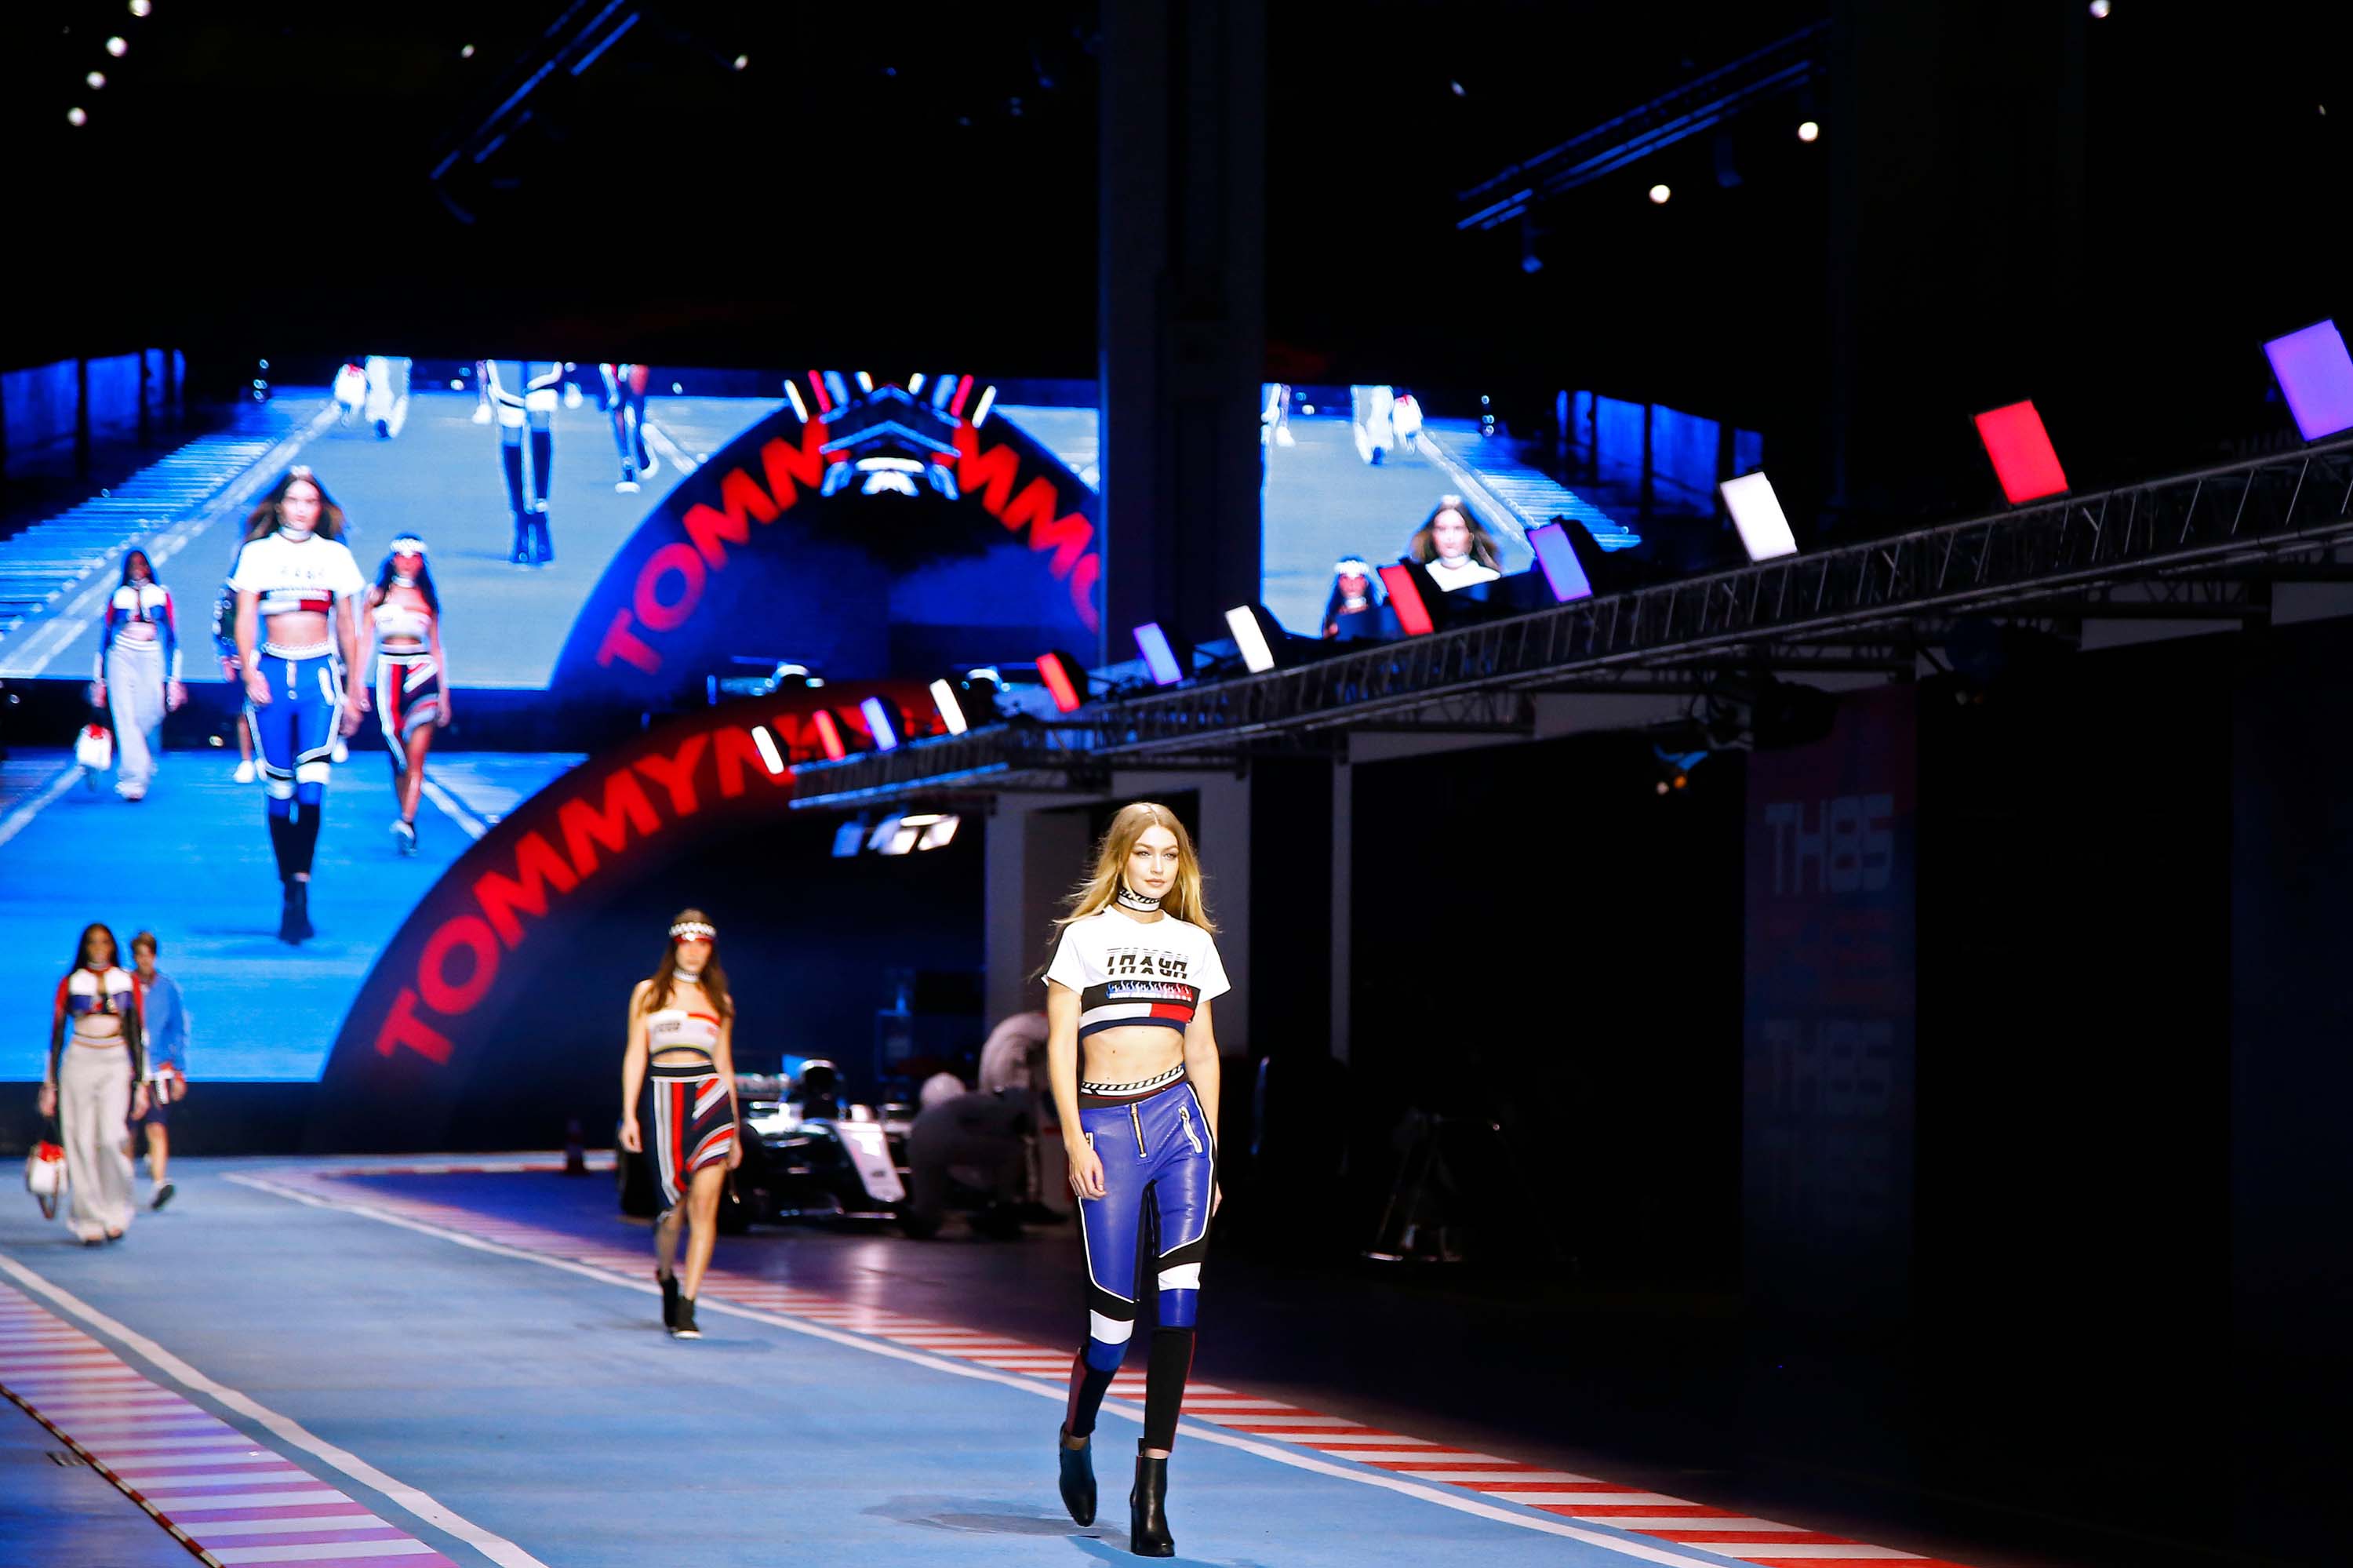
(94,748)
(45,1176)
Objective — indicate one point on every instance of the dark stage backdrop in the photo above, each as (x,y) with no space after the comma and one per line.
(2290,1086)
(1540,937)
(1827,1145)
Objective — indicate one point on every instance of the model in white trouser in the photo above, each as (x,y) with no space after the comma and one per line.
(93,1107)
(135,696)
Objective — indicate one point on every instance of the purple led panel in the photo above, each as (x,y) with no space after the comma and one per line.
(1563,572)
(2317,375)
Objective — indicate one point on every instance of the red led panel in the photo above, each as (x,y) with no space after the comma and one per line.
(829,735)
(1405,598)
(2021,452)
(1057,677)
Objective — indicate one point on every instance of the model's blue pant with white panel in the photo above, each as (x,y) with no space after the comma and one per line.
(1159,1165)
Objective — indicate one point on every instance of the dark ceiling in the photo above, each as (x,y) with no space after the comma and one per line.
(902,180)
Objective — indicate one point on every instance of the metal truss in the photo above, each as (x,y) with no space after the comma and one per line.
(1783,66)
(2189,547)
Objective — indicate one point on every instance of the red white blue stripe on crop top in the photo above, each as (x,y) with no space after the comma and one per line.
(678,1028)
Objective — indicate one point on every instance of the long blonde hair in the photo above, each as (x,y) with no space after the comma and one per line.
(1097,893)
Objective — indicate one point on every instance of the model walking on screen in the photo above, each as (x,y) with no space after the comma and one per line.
(680,1052)
(164,1040)
(138,673)
(297,587)
(1135,1069)
(412,673)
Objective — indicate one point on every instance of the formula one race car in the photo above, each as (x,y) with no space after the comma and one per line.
(809,1153)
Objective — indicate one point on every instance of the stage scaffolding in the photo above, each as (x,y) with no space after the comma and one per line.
(2190,546)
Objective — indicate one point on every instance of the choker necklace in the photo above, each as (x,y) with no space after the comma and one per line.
(1131,899)
(400,581)
(294,535)
(693,977)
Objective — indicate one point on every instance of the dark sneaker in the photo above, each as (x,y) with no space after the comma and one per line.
(163,1195)
(668,1283)
(684,1329)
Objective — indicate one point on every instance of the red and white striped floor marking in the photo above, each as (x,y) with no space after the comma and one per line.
(224,1496)
(1726,1533)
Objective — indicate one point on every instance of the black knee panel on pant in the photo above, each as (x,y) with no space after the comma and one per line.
(511,459)
(1164,1385)
(303,836)
(1088,1385)
(281,845)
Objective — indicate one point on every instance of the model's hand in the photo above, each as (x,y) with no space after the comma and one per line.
(257,687)
(175,697)
(98,693)
(354,707)
(1216,1196)
(139,1102)
(48,1099)
(632,1141)
(1086,1170)
(735,1154)
(441,718)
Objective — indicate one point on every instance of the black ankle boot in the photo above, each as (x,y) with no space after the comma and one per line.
(1078,1478)
(1147,1511)
(287,927)
(298,910)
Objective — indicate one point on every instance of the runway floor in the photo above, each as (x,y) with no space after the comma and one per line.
(299,1363)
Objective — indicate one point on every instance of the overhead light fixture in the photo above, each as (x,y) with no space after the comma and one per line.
(2100,9)
(76,118)
(770,757)
(2315,375)
(879,727)
(951,710)
(1557,557)
(2023,457)
(140,8)
(1065,680)
(1659,194)
(1810,130)
(1756,514)
(1256,635)
(829,735)
(1159,654)
(96,80)
(116,48)
(1406,601)
(940,833)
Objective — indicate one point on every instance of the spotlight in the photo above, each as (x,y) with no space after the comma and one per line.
(1257,634)
(1065,680)
(1659,194)
(1756,513)
(2316,376)
(1159,654)
(879,725)
(742,61)
(1406,601)
(2023,457)
(1810,130)
(467,53)
(76,118)
(770,759)
(2100,9)
(140,8)
(829,735)
(944,698)
(97,79)
(116,48)
(1557,554)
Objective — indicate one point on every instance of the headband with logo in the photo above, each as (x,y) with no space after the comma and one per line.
(693,931)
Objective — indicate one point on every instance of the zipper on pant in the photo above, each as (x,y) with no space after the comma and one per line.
(1185,1115)
(1136,1117)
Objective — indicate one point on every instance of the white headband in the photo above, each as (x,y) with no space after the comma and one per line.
(407,545)
(1352,567)
(693,931)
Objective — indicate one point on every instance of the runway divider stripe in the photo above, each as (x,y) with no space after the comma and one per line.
(216,1491)
(1670,1520)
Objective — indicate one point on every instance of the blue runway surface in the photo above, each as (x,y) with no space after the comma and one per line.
(192,862)
(543,1406)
